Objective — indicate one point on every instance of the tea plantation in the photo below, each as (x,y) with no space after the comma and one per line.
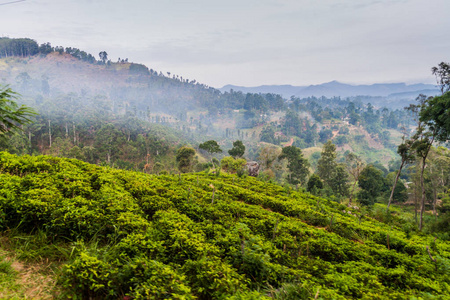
(115,234)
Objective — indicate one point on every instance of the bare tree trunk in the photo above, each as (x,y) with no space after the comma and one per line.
(352,192)
(50,133)
(415,204)
(424,158)
(395,184)
(434,203)
(74,134)
(422,201)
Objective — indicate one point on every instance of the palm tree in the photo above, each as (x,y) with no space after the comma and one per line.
(12,116)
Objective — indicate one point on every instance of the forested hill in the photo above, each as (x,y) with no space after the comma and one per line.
(48,71)
(105,111)
(117,234)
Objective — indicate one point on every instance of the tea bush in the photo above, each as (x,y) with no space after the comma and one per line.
(209,236)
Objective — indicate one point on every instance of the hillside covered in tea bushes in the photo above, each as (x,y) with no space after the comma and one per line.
(114,234)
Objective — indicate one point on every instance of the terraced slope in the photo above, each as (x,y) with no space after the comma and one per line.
(128,235)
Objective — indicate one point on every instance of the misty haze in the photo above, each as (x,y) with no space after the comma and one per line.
(235,150)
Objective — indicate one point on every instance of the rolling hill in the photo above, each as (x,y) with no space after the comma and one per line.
(114,234)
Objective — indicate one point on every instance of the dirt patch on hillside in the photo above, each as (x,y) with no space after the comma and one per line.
(36,285)
(289,143)
(32,281)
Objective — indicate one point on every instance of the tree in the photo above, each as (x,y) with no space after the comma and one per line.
(371,182)
(238,149)
(108,140)
(426,133)
(267,135)
(333,174)
(325,135)
(400,192)
(268,158)
(297,164)
(314,184)
(435,113)
(339,182)
(103,56)
(442,73)
(439,173)
(354,167)
(184,158)
(434,122)
(12,116)
(327,162)
(404,150)
(210,147)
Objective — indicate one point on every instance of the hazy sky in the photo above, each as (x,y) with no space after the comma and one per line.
(249,42)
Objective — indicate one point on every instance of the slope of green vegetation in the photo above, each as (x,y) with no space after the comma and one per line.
(66,85)
(121,234)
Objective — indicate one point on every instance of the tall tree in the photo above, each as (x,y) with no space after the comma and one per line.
(297,164)
(238,149)
(442,73)
(424,137)
(332,173)
(185,156)
(404,150)
(371,182)
(326,164)
(103,56)
(210,147)
(434,124)
(354,167)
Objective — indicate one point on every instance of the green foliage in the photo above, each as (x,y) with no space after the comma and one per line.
(442,73)
(400,192)
(185,157)
(129,234)
(325,135)
(210,147)
(297,164)
(11,115)
(333,174)
(327,162)
(18,47)
(267,135)
(232,165)
(238,149)
(340,140)
(371,182)
(314,184)
(436,113)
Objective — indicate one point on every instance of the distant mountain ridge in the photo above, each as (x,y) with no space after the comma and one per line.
(335,88)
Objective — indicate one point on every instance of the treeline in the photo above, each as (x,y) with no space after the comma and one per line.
(24,47)
(18,47)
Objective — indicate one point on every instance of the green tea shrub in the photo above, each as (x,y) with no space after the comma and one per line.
(210,277)
(150,279)
(89,277)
